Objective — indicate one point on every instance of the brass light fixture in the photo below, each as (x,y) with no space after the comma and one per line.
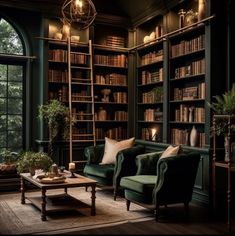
(82,12)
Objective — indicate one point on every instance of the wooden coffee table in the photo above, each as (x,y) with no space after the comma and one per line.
(58,202)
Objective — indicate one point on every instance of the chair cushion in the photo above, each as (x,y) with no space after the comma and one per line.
(171,151)
(104,171)
(143,184)
(112,147)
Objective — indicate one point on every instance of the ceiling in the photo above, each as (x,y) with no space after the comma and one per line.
(134,10)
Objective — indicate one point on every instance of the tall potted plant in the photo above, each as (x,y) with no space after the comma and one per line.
(224,105)
(57,116)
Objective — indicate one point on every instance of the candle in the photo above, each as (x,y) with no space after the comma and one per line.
(71,166)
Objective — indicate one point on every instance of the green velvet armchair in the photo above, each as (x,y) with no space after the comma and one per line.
(111,174)
(161,181)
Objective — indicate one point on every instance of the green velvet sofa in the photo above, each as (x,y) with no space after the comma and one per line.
(161,181)
(111,174)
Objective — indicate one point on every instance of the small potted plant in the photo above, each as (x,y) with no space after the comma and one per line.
(30,161)
(9,160)
(57,116)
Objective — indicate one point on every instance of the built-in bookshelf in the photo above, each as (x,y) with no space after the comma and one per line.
(187,86)
(150,91)
(81,84)
(110,81)
(110,92)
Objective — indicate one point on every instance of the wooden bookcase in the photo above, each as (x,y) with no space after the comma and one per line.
(174,64)
(187,68)
(69,79)
(110,82)
(185,85)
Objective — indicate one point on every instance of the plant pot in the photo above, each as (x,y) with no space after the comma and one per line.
(32,170)
(6,169)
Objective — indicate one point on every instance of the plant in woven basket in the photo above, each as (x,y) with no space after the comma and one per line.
(30,161)
(9,160)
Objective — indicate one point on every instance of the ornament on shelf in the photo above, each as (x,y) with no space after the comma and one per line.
(193,137)
(201,9)
(181,14)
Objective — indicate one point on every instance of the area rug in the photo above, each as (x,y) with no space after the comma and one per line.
(16,218)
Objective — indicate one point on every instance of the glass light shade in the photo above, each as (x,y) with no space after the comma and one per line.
(82,12)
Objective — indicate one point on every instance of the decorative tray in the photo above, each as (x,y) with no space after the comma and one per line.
(54,180)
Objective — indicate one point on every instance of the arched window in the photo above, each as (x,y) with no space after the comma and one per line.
(11,88)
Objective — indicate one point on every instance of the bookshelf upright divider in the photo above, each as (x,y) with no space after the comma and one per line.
(70,102)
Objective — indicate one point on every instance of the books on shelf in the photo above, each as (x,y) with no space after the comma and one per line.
(115,41)
(112,79)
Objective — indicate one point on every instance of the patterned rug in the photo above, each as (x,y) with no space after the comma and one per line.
(16,218)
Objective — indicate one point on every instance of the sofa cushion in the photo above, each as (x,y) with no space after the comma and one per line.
(171,151)
(112,147)
(139,183)
(104,171)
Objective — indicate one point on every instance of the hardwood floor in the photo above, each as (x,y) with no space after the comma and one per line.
(172,222)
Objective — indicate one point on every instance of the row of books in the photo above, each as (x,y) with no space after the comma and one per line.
(181,136)
(155,95)
(120,97)
(153,115)
(116,116)
(188,46)
(189,114)
(81,115)
(118,133)
(151,57)
(82,134)
(61,94)
(84,95)
(115,41)
(190,93)
(112,60)
(112,79)
(60,55)
(195,68)
(148,77)
(58,76)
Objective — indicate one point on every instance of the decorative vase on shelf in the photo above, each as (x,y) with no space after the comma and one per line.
(193,137)
(102,114)
(181,14)
(201,9)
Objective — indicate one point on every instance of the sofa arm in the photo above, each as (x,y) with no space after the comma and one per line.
(147,163)
(125,163)
(176,177)
(94,154)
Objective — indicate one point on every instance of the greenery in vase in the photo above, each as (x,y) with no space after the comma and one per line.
(35,160)
(224,105)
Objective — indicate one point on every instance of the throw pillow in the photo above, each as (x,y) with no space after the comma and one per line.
(171,151)
(112,147)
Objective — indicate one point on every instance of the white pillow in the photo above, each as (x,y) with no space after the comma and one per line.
(171,151)
(112,147)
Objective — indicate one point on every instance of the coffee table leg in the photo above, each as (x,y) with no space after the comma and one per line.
(93,211)
(43,213)
(22,188)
